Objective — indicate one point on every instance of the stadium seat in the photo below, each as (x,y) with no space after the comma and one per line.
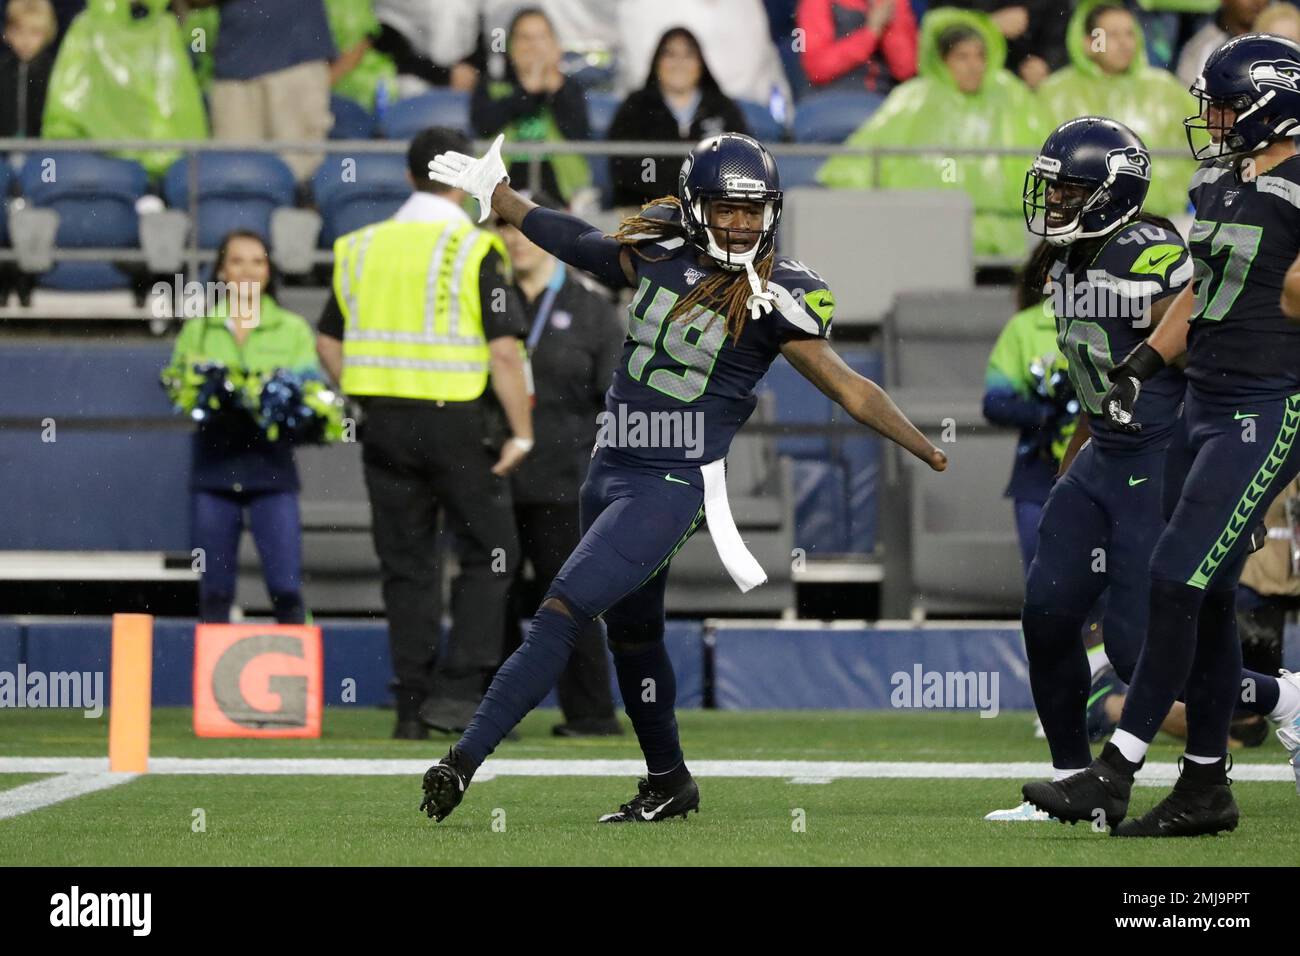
(601,108)
(799,171)
(832,116)
(762,125)
(95,199)
(438,107)
(953,539)
(346,203)
(820,508)
(351,119)
(871,245)
(236,191)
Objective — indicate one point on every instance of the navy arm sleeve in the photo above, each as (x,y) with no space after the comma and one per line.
(1005,407)
(578,243)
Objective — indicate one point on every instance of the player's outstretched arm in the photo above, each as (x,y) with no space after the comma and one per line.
(862,398)
(578,243)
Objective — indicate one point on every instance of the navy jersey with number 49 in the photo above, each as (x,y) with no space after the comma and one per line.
(683,387)
(1102,307)
(1245,237)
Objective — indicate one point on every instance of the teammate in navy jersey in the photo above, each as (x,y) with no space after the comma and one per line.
(1234,447)
(1111,273)
(713,308)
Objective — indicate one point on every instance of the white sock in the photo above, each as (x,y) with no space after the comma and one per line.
(1288,701)
(1131,747)
(1201,760)
(1059,774)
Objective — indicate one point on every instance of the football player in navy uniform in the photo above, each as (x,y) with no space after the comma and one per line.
(713,308)
(1234,447)
(1111,272)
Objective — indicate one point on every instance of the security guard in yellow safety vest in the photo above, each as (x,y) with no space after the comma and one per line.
(425,331)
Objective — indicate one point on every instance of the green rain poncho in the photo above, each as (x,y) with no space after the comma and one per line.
(930,111)
(352,21)
(1148,100)
(120,78)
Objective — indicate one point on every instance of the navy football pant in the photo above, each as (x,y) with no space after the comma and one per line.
(633,522)
(1098,529)
(1226,465)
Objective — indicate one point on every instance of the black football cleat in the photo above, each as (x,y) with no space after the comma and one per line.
(1200,804)
(1096,795)
(445,784)
(651,805)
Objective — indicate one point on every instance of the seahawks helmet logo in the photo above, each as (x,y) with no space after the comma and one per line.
(1129,161)
(1278,74)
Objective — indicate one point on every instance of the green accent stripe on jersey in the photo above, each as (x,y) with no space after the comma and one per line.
(1253,495)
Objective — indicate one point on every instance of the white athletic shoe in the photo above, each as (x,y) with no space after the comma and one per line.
(1288,730)
(1025,813)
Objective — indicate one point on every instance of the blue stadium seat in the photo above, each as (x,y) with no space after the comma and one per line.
(351,119)
(799,170)
(833,116)
(236,191)
(601,108)
(762,125)
(821,508)
(351,202)
(438,107)
(95,198)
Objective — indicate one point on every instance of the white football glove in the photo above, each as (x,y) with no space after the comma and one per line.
(478,177)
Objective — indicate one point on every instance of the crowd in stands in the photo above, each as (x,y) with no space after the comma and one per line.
(956,76)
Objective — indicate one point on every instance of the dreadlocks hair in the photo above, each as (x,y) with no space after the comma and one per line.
(724,292)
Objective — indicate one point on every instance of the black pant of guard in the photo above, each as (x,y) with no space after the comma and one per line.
(422,458)
(548,533)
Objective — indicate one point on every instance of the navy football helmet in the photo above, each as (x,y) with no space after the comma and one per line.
(1090,177)
(736,167)
(1257,77)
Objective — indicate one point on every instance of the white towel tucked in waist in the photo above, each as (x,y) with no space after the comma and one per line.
(740,564)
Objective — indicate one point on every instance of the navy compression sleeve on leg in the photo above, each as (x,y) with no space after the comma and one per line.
(576,242)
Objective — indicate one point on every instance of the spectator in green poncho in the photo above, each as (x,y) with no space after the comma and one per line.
(117,76)
(962,98)
(1109,76)
(534,102)
(360,69)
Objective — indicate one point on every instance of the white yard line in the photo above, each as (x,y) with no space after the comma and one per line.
(43,793)
(808,771)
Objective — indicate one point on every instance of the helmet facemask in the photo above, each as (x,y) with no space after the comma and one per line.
(1052,221)
(1230,140)
(723,254)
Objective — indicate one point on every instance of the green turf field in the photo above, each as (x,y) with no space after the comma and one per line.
(372,820)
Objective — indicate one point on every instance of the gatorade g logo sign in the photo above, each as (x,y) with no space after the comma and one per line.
(257,680)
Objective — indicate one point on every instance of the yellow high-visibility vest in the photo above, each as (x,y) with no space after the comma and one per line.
(413,323)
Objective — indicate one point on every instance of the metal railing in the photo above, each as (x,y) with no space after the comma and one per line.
(535,153)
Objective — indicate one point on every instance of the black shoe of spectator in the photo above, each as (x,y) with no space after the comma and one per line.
(410,730)
(589,727)
(448,716)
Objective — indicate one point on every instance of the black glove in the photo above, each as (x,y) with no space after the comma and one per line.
(1126,384)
